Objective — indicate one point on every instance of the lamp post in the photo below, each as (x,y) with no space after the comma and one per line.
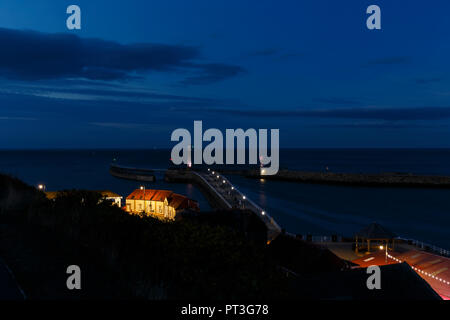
(386,253)
(42,187)
(143,188)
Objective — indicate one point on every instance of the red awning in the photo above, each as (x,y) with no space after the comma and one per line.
(434,269)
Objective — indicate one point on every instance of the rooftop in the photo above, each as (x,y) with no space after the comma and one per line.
(175,200)
(375,231)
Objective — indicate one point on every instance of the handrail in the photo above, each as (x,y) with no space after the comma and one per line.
(423,245)
(264,216)
(225,201)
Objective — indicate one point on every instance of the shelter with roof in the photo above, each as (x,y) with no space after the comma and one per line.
(158,203)
(374,234)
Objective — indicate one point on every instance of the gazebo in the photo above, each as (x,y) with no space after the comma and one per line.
(374,232)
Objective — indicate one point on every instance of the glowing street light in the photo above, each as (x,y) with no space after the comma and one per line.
(143,188)
(223,181)
(263,213)
(41,187)
(243,197)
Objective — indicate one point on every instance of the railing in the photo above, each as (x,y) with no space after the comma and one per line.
(315,238)
(214,189)
(265,217)
(427,247)
(419,244)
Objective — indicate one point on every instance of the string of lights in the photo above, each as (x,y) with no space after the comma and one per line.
(421,271)
(244,198)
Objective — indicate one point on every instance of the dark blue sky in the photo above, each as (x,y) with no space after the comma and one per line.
(139,69)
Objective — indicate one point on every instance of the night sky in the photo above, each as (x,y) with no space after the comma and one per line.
(137,70)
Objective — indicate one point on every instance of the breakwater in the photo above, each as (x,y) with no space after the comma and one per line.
(129,173)
(355,179)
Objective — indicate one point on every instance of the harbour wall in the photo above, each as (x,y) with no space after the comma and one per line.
(355,179)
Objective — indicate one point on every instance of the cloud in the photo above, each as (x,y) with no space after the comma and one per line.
(337,101)
(132,126)
(18,118)
(29,55)
(118,125)
(389,61)
(95,93)
(264,52)
(428,80)
(290,56)
(213,72)
(276,54)
(385,125)
(390,114)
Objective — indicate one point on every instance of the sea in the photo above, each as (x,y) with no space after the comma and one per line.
(300,208)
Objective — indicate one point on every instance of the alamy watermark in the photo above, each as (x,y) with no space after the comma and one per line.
(74,280)
(213,153)
(374,281)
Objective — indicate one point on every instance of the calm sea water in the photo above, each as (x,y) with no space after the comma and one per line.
(423,214)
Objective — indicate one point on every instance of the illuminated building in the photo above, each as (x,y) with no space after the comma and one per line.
(158,203)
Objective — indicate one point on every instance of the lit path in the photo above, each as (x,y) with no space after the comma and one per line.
(213,187)
(236,199)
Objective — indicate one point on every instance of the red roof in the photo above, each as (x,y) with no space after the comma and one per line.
(432,268)
(175,200)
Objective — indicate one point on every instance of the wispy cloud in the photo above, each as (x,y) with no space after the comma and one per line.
(428,80)
(383,125)
(210,73)
(391,114)
(263,52)
(395,60)
(28,55)
(132,126)
(18,118)
(337,101)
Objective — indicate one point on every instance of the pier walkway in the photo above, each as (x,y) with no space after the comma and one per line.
(236,199)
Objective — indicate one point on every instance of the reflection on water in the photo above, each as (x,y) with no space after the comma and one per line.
(423,214)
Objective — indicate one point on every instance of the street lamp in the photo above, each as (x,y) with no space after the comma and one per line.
(386,252)
(143,188)
(41,187)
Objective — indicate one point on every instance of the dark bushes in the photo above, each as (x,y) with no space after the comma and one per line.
(158,260)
